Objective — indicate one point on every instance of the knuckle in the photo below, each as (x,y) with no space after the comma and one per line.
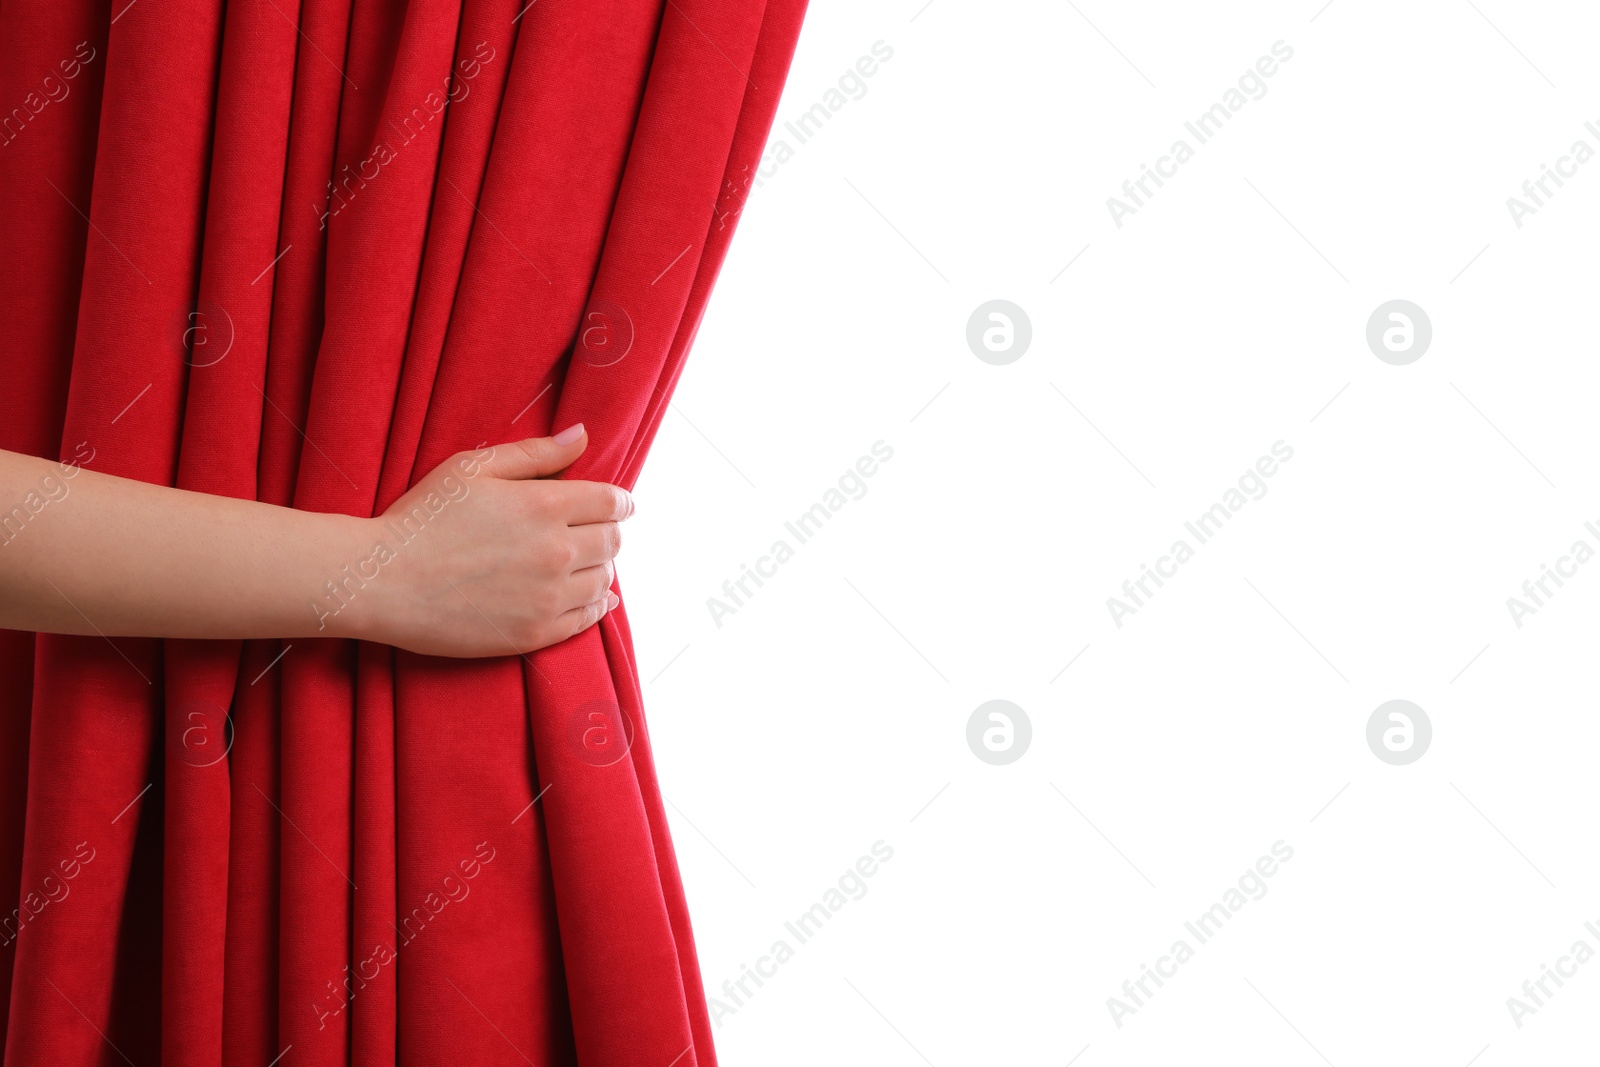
(540,496)
(533,449)
(564,495)
(554,555)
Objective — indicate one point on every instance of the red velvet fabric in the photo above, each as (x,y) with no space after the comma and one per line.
(303,251)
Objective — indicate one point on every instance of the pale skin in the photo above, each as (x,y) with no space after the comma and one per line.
(489,555)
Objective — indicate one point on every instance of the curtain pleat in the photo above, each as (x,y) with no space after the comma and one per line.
(303,251)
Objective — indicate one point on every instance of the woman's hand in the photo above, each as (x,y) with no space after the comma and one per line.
(489,555)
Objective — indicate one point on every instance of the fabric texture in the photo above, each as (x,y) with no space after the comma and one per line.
(303,251)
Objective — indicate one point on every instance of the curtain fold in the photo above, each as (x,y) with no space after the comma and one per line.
(303,252)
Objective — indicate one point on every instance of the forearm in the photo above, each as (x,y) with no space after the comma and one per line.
(86,553)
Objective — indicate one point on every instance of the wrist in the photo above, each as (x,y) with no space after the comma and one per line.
(349,579)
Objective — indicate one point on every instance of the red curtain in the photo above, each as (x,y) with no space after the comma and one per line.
(303,251)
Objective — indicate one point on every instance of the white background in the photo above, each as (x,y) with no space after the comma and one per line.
(830,711)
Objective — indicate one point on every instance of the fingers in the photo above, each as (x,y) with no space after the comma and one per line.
(538,457)
(594,544)
(590,584)
(589,502)
(580,619)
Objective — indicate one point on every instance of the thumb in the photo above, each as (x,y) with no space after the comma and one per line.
(538,457)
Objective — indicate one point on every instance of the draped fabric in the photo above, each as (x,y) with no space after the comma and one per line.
(303,251)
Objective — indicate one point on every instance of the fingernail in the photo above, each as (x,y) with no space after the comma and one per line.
(569,435)
(612,602)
